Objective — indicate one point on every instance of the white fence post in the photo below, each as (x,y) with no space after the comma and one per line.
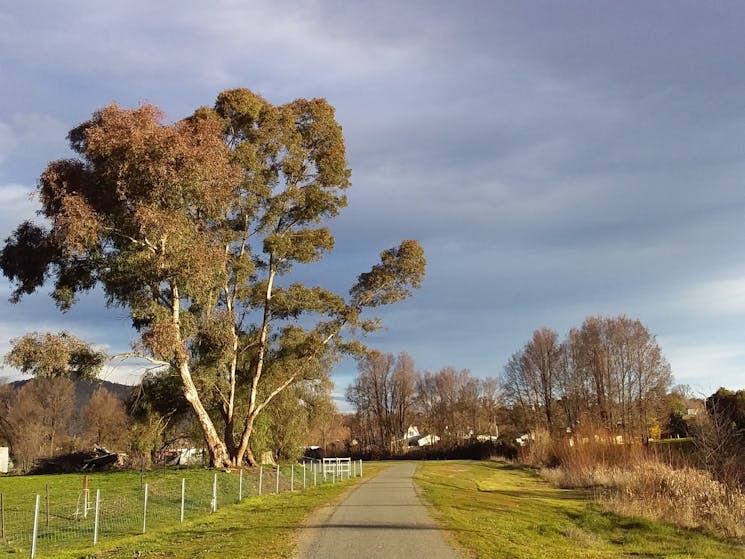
(292,477)
(277,488)
(240,486)
(144,511)
(95,517)
(303,474)
(261,477)
(183,497)
(214,494)
(36,528)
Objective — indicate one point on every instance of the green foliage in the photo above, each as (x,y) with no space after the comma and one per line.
(730,405)
(400,270)
(54,355)
(26,258)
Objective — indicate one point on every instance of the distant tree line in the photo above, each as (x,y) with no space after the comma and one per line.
(389,395)
(609,374)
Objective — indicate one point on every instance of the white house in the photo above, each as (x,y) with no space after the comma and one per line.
(4,459)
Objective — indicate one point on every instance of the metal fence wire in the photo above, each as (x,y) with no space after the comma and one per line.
(59,517)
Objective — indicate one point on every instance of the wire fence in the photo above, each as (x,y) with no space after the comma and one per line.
(59,518)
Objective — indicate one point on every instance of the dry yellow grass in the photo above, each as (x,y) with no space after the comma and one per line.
(648,488)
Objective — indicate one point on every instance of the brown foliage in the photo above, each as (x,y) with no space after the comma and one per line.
(39,415)
(105,421)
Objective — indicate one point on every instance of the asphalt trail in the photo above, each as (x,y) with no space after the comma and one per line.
(383,518)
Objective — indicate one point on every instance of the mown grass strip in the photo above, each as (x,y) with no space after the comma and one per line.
(498,511)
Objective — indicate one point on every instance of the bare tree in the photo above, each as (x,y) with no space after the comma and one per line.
(105,421)
(610,372)
(25,415)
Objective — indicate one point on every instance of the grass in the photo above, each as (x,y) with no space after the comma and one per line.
(497,510)
(257,527)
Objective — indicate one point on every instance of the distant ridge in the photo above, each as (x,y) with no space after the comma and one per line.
(84,389)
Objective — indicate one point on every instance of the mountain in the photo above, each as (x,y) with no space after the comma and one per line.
(85,388)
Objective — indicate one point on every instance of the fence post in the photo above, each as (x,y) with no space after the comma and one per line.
(85,496)
(292,477)
(240,485)
(95,517)
(303,474)
(360,467)
(46,490)
(214,494)
(183,497)
(261,477)
(144,512)
(315,474)
(36,528)
(277,488)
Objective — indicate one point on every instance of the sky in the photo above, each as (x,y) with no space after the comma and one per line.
(555,159)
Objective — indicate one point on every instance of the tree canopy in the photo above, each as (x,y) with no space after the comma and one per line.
(54,355)
(195,227)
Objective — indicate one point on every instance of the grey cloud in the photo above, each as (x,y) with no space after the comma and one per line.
(555,160)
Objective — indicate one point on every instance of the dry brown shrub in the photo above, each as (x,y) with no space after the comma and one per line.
(648,488)
(629,480)
(688,497)
(540,450)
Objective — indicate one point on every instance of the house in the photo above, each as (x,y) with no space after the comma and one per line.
(414,438)
(423,440)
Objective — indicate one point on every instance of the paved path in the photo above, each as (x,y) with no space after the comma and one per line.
(382,518)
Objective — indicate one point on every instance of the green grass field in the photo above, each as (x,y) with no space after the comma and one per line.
(489,510)
(69,532)
(496,511)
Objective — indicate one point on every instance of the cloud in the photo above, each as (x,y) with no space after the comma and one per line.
(7,140)
(706,366)
(555,161)
(17,204)
(27,142)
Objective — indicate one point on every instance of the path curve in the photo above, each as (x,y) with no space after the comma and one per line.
(383,518)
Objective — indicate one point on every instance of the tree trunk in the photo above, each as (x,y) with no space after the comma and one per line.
(219,457)
(243,449)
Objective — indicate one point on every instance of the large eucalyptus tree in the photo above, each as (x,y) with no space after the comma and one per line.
(195,228)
